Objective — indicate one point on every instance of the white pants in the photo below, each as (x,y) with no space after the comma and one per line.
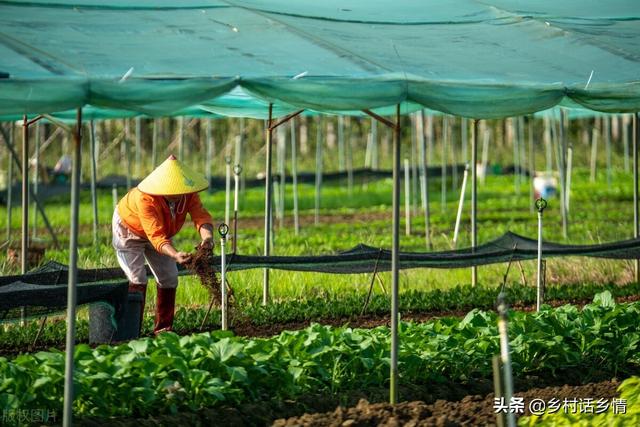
(132,250)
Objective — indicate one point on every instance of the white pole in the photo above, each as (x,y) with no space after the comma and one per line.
(569,166)
(294,176)
(460,205)
(505,356)
(154,143)
(594,153)
(94,193)
(223,230)
(341,162)
(607,141)
(486,136)
(138,156)
(425,179)
(237,170)
(227,198)
(407,198)
(209,157)
(318,171)
(36,170)
(114,195)
(375,163)
(541,204)
(443,179)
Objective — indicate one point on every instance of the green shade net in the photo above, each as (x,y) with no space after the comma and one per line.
(477,59)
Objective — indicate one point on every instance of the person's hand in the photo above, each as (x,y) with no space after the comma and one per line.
(207,244)
(182,257)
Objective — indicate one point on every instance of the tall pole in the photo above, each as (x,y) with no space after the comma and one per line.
(154,143)
(294,176)
(138,124)
(36,177)
(407,198)
(209,157)
(425,178)
(636,225)
(474,197)
(67,419)
(94,196)
(267,208)
(395,258)
(10,143)
(318,172)
(540,205)
(24,265)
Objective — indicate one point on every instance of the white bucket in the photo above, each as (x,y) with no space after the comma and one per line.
(545,185)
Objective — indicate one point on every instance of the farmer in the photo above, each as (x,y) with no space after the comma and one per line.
(144,222)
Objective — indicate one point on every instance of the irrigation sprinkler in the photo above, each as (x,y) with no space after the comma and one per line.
(227,193)
(94,196)
(73,273)
(237,170)
(636,225)
(294,177)
(424,178)
(505,357)
(541,205)
(223,229)
(407,198)
(460,205)
(474,198)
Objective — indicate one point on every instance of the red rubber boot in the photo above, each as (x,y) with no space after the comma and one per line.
(142,289)
(165,307)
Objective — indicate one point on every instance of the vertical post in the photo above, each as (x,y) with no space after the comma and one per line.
(94,195)
(10,143)
(294,177)
(505,357)
(227,187)
(318,171)
(443,179)
(114,195)
(594,152)
(414,169)
(460,205)
(512,132)
(154,143)
(407,198)
(349,153)
(138,124)
(486,136)
(395,258)
(181,138)
(24,265)
(474,197)
(36,177)
(237,170)
(540,205)
(375,163)
(223,229)
(267,209)
(532,162)
(282,161)
(73,272)
(636,225)
(209,157)
(568,179)
(625,140)
(127,152)
(341,162)
(425,179)
(464,139)
(560,159)
(606,120)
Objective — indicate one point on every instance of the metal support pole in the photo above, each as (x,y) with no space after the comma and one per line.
(114,195)
(267,207)
(443,178)
(568,178)
(474,197)
(9,143)
(36,176)
(606,120)
(460,205)
(237,170)
(223,229)
(407,198)
(94,195)
(181,138)
(636,225)
(505,357)
(154,143)
(395,258)
(73,273)
(341,161)
(127,151)
(24,264)
(540,204)
(294,177)
(318,172)
(532,162)
(425,178)
(208,159)
(138,156)
(227,192)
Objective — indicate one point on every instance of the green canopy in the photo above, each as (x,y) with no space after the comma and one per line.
(479,59)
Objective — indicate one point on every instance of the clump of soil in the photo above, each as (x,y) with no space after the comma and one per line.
(470,411)
(201,264)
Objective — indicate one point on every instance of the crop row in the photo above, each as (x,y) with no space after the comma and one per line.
(172,373)
(349,305)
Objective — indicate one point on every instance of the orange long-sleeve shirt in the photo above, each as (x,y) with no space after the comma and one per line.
(150,216)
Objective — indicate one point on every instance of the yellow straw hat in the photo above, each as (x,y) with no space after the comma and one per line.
(172,178)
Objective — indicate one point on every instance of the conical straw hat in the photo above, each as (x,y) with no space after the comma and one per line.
(172,178)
